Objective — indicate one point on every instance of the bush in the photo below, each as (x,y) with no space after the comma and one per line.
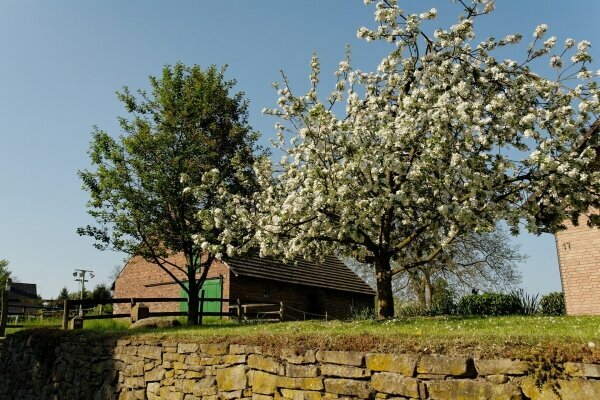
(490,304)
(408,309)
(529,303)
(442,302)
(361,314)
(553,304)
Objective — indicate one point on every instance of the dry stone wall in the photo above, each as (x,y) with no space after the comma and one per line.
(80,367)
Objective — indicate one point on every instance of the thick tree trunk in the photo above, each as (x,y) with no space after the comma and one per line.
(385,296)
(193,303)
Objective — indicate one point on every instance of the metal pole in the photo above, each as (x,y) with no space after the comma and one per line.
(79,275)
(82,292)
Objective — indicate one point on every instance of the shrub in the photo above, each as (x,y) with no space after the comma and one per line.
(361,314)
(553,304)
(490,304)
(408,309)
(529,303)
(442,302)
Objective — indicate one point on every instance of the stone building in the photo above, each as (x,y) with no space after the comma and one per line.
(579,261)
(303,286)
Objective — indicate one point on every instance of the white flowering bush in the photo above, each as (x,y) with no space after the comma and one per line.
(442,140)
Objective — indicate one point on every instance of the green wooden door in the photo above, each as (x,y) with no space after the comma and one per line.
(212,289)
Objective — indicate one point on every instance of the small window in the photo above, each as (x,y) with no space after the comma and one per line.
(267,291)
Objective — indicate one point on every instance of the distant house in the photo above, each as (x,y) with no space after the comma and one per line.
(304,287)
(22,299)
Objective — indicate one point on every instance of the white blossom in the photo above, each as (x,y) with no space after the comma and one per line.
(583,45)
(569,43)
(540,30)
(556,62)
(431,14)
(415,153)
(550,42)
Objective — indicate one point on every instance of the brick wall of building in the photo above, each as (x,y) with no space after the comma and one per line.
(579,261)
(141,278)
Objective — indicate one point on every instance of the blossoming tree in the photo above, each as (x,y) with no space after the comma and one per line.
(443,140)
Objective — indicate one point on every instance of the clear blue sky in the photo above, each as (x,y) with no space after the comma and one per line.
(62,61)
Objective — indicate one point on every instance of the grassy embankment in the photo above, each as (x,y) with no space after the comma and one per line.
(573,338)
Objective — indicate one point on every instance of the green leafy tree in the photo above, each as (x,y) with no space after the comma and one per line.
(77,295)
(4,272)
(189,130)
(101,292)
(64,294)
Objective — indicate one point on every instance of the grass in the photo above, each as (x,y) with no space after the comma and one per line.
(108,325)
(573,338)
(33,323)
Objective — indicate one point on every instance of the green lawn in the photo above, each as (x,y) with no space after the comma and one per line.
(575,338)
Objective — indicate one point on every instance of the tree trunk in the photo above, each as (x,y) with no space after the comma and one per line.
(429,287)
(193,302)
(416,282)
(385,297)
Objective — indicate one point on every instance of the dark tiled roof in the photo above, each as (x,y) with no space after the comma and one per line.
(331,273)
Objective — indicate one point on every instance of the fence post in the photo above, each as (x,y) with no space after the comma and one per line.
(326,315)
(65,320)
(201,307)
(4,311)
(240,311)
(280,311)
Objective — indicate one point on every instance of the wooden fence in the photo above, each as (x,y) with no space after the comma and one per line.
(236,308)
(242,310)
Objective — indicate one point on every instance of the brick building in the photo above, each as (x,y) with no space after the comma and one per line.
(579,261)
(303,286)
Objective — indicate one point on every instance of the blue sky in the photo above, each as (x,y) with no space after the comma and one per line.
(61,63)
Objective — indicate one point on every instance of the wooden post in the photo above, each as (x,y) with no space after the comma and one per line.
(281,311)
(240,311)
(4,311)
(65,321)
(201,311)
(325,315)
